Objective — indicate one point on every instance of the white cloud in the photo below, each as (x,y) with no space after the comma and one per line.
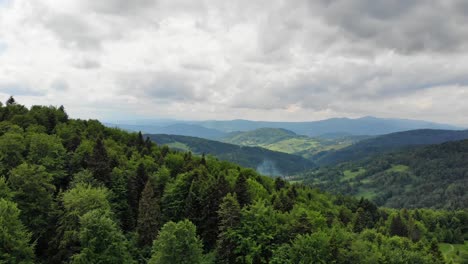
(271,60)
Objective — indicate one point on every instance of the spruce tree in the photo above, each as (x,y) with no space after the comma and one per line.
(149,216)
(229,215)
(99,163)
(398,227)
(242,190)
(136,184)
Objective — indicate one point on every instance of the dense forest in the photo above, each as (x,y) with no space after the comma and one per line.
(432,177)
(267,162)
(388,143)
(75,191)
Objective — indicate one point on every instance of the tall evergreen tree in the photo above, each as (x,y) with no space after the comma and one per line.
(242,190)
(398,227)
(99,163)
(230,215)
(149,216)
(136,184)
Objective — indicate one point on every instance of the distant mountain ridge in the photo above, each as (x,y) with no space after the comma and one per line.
(213,129)
(390,142)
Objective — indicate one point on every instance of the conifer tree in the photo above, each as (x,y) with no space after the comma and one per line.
(242,190)
(229,215)
(149,216)
(136,184)
(398,227)
(99,163)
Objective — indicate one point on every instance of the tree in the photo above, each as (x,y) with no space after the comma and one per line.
(15,240)
(177,243)
(12,147)
(149,216)
(229,215)
(242,190)
(33,192)
(10,101)
(76,202)
(99,163)
(101,240)
(398,227)
(136,184)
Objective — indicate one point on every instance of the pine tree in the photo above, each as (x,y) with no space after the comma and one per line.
(398,227)
(99,163)
(149,217)
(136,184)
(140,142)
(242,190)
(229,214)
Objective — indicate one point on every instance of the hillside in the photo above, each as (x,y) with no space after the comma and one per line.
(343,126)
(433,176)
(390,142)
(76,191)
(282,140)
(263,160)
(327,129)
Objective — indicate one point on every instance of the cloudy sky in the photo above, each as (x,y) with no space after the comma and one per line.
(254,59)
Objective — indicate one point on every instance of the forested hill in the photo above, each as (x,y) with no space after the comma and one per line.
(433,176)
(75,191)
(388,143)
(267,162)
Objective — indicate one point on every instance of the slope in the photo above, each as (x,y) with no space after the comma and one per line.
(389,142)
(263,160)
(432,176)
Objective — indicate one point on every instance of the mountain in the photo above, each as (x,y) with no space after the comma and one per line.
(328,128)
(343,126)
(183,129)
(76,191)
(432,176)
(282,140)
(389,142)
(265,161)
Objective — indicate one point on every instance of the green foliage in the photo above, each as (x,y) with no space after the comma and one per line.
(149,217)
(33,192)
(425,177)
(177,243)
(15,240)
(101,240)
(92,194)
(251,157)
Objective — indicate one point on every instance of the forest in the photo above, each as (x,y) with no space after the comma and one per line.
(432,176)
(76,191)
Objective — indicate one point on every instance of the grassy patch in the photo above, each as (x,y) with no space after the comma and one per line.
(457,253)
(348,174)
(366,193)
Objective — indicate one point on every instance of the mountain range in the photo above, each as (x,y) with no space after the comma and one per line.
(334,127)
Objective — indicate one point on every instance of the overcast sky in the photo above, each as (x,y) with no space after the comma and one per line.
(263,60)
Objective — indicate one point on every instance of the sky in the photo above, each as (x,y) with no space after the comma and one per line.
(288,60)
